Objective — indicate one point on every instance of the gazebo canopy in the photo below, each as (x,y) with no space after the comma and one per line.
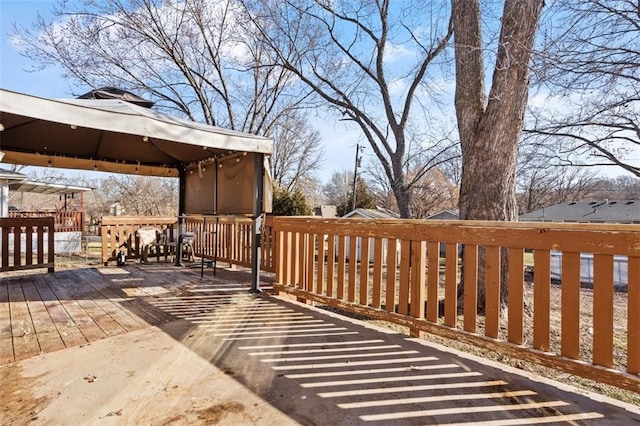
(111,135)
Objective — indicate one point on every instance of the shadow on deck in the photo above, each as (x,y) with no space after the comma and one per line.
(304,364)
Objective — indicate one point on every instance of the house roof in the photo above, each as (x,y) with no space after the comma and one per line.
(11,176)
(47,188)
(445,214)
(604,211)
(378,213)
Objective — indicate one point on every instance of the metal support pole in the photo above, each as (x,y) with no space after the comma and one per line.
(257,222)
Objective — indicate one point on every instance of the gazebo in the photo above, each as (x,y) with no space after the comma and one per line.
(221,172)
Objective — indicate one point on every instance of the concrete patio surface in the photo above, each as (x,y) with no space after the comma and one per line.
(205,351)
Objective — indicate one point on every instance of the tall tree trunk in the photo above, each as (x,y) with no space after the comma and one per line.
(490,127)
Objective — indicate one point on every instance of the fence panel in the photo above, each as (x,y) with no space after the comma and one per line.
(494,254)
(21,237)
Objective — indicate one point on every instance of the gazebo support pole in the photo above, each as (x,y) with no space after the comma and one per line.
(257,222)
(182,184)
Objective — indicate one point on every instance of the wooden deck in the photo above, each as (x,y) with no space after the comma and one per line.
(313,366)
(41,313)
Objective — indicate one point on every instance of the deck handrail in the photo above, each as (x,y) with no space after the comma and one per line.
(230,238)
(118,233)
(25,233)
(65,221)
(231,234)
(410,294)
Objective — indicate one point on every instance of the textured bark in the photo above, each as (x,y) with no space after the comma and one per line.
(490,127)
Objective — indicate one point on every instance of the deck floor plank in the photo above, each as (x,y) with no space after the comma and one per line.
(92,302)
(6,339)
(112,302)
(67,328)
(25,341)
(47,334)
(90,330)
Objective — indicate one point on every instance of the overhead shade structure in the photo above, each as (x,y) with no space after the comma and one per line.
(111,135)
(113,93)
(114,135)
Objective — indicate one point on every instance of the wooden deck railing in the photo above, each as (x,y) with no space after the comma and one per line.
(230,238)
(23,245)
(227,237)
(401,277)
(65,221)
(119,233)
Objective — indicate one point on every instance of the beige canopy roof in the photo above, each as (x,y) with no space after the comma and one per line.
(111,135)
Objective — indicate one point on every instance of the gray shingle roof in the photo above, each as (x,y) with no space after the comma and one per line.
(606,211)
(378,213)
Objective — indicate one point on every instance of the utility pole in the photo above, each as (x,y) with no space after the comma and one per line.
(355,175)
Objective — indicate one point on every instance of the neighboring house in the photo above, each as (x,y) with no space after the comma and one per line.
(603,211)
(377,213)
(326,211)
(7,177)
(63,202)
(447,214)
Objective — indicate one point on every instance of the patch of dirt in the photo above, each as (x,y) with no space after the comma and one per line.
(217,412)
(18,405)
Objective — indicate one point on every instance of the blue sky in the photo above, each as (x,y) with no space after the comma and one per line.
(14,68)
(17,74)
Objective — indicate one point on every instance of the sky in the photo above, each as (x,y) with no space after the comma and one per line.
(17,74)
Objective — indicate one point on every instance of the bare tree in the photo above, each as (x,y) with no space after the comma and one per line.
(589,63)
(141,195)
(432,192)
(490,124)
(195,58)
(367,60)
(337,190)
(541,185)
(297,153)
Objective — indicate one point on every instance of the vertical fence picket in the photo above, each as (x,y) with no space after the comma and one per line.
(376,301)
(492,291)
(331,261)
(364,271)
(541,299)
(603,310)
(451,285)
(433,280)
(515,332)
(403,291)
(570,320)
(633,318)
(320,263)
(390,282)
(342,255)
(418,249)
(470,277)
(353,265)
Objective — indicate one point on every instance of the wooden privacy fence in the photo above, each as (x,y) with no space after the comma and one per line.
(118,233)
(26,243)
(65,221)
(230,238)
(400,276)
